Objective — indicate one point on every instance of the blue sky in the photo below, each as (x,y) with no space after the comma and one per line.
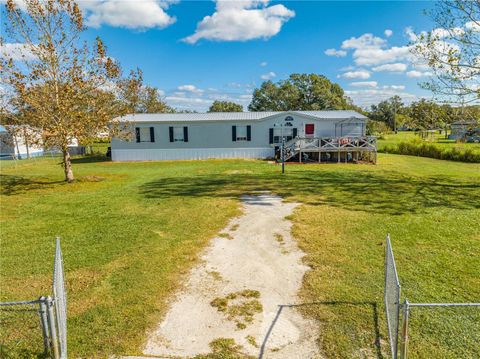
(198,51)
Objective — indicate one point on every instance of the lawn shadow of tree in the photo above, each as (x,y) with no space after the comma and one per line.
(12,185)
(90,159)
(390,193)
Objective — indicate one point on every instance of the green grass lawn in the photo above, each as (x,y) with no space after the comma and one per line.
(131,231)
(438,139)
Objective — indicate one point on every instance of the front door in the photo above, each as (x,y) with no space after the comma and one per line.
(309,130)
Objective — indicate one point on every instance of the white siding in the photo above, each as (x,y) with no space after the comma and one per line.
(213,139)
(156,154)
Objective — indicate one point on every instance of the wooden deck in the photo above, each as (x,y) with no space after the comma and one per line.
(339,149)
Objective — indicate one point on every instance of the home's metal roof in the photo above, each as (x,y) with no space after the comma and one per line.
(235,116)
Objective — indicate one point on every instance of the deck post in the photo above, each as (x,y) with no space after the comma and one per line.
(319,156)
(300,156)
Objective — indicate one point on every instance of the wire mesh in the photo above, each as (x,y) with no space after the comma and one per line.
(392,298)
(21,334)
(444,332)
(60,300)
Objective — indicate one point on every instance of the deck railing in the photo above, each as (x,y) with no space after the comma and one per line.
(351,148)
(335,144)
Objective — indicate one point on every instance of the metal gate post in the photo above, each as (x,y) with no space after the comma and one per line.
(44,324)
(53,329)
(404,339)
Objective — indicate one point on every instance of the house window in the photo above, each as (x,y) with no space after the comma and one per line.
(277,134)
(241,133)
(145,134)
(178,134)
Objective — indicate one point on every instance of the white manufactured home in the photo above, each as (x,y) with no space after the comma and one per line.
(15,142)
(188,136)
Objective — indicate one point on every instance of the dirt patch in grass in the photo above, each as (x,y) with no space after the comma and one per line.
(250,298)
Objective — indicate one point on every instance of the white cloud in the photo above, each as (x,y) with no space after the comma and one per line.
(397,67)
(190,88)
(268,76)
(416,74)
(374,96)
(372,50)
(412,36)
(388,32)
(360,74)
(363,42)
(241,21)
(201,101)
(473,26)
(127,13)
(364,84)
(264,63)
(336,53)
(16,52)
(375,56)
(394,87)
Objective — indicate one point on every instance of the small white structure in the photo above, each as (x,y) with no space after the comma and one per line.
(228,134)
(16,142)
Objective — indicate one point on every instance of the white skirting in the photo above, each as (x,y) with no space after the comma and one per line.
(189,154)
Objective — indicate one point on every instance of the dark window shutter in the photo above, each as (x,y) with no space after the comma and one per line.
(152,134)
(185,134)
(170,131)
(294,132)
(249,133)
(137,134)
(271,136)
(234,133)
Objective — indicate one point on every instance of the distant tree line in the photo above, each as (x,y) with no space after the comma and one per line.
(392,114)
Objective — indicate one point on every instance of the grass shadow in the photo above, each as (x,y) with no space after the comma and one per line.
(12,185)
(390,193)
(90,159)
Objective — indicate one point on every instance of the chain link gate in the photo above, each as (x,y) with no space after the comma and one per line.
(452,322)
(37,328)
(392,298)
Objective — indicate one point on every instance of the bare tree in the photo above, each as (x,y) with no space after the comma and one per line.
(61,79)
(452,51)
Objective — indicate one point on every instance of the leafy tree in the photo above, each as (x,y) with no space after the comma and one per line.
(452,51)
(63,81)
(299,92)
(135,97)
(427,115)
(130,91)
(225,106)
(387,111)
(152,102)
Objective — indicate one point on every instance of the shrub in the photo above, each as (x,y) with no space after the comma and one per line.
(420,148)
(377,128)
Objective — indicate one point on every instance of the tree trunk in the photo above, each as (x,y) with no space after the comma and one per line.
(25,137)
(17,154)
(67,166)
